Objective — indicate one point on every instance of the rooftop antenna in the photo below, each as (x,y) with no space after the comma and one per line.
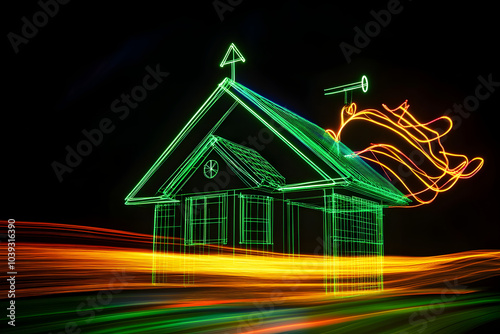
(233,55)
(363,85)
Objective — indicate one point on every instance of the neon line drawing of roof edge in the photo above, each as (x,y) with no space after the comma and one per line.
(320,171)
(337,155)
(358,174)
(253,169)
(213,98)
(208,137)
(187,168)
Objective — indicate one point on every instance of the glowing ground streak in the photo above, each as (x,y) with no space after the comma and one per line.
(418,135)
(59,268)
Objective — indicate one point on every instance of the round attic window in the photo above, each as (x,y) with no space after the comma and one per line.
(210,169)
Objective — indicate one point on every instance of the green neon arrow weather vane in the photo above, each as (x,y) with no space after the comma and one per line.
(233,55)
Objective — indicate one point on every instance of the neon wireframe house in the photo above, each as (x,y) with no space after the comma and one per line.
(246,172)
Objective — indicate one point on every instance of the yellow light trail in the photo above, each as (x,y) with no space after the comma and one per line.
(79,267)
(46,267)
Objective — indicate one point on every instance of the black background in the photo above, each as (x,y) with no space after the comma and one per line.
(65,78)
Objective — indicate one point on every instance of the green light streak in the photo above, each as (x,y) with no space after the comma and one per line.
(143,312)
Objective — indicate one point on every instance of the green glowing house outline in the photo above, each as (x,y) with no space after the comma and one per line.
(212,189)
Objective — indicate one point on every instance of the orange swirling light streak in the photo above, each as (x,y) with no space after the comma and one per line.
(423,138)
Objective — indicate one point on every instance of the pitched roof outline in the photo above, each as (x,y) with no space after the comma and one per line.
(355,173)
(247,163)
